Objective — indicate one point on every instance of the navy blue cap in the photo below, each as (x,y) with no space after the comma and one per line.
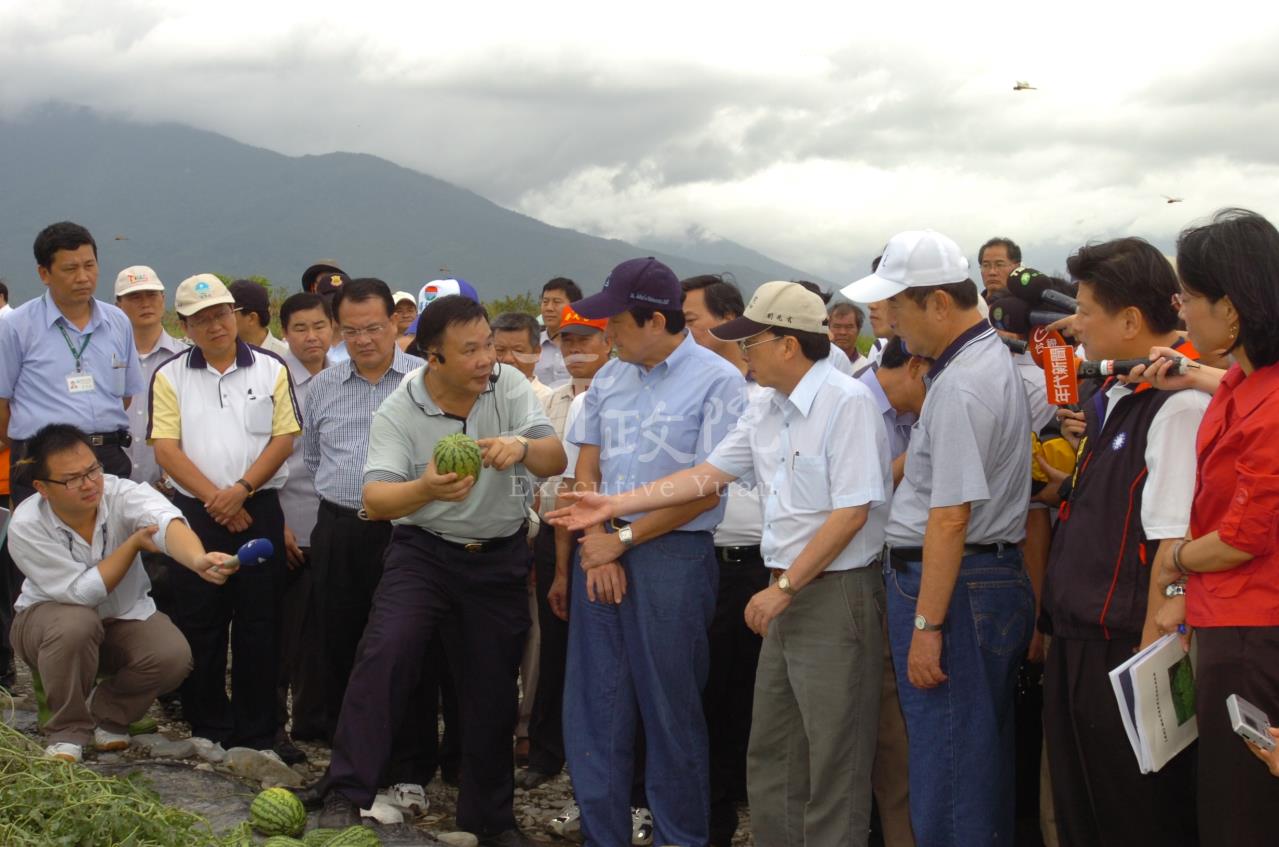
(635,282)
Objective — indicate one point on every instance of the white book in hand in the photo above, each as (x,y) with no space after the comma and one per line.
(1155,690)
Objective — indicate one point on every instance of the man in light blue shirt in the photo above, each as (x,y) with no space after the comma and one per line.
(67,357)
(638,648)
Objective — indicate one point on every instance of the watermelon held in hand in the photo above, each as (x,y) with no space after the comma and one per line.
(459,454)
(277,811)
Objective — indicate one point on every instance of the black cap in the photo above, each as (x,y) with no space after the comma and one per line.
(310,275)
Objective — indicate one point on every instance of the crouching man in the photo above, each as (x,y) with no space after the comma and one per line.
(85,607)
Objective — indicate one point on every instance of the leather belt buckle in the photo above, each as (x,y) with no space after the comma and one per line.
(730,555)
(96,440)
(474,547)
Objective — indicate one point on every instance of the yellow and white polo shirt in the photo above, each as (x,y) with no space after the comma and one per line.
(223,421)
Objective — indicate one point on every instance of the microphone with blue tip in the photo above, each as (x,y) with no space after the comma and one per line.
(251,553)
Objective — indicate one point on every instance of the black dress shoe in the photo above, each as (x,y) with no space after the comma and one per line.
(288,752)
(530,779)
(510,838)
(312,796)
(338,812)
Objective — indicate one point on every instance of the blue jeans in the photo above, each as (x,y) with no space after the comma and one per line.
(645,659)
(961,732)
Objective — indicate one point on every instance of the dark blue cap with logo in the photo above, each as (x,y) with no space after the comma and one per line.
(635,282)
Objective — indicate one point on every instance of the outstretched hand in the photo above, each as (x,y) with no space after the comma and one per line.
(585,509)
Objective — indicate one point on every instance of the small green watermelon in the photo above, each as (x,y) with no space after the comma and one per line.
(277,811)
(356,836)
(459,454)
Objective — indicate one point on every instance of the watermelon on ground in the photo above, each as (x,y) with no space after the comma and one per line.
(277,811)
(320,837)
(459,454)
(356,836)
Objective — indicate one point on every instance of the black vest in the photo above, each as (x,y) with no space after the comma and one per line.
(1099,563)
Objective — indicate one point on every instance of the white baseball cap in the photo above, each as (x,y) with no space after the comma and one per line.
(788,305)
(912,259)
(137,278)
(403,297)
(199,292)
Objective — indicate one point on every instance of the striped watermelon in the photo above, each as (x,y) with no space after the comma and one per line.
(282,841)
(356,836)
(320,837)
(277,811)
(459,454)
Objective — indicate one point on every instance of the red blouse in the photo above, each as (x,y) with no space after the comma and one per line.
(1237,494)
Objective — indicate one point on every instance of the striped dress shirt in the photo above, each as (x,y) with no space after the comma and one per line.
(338,413)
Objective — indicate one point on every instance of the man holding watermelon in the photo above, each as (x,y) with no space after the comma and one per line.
(458,551)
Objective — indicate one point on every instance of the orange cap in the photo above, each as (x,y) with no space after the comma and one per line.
(570,319)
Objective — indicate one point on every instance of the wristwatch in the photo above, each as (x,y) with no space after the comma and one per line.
(523,441)
(1175,589)
(626,536)
(922,624)
(246,485)
(783,582)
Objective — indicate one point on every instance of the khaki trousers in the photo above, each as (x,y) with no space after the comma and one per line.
(816,715)
(70,645)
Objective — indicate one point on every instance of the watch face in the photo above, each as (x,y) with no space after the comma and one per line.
(920,622)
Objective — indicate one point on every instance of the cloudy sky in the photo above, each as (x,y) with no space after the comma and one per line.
(809,131)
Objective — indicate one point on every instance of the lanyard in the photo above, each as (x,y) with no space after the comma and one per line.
(76,354)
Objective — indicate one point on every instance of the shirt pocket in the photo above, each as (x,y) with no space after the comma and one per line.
(810,484)
(259,413)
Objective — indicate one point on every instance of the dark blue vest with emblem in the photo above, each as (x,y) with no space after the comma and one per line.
(1099,564)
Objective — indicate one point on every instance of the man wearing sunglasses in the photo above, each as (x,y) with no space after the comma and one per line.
(85,607)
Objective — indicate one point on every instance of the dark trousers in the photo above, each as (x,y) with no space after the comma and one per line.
(114,461)
(249,603)
(301,663)
(1100,795)
(425,582)
(730,686)
(346,565)
(1238,798)
(546,725)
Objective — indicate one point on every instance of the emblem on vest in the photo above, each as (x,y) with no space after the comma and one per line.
(1120,440)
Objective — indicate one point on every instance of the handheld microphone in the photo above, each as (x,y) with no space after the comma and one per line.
(1028,286)
(1010,315)
(253,552)
(1016,345)
(1053,298)
(1123,367)
(1043,317)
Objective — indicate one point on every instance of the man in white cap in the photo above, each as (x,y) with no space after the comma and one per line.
(817,444)
(140,295)
(223,419)
(405,311)
(960,606)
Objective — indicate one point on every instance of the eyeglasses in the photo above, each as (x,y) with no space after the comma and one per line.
(210,316)
(93,474)
(350,333)
(996,266)
(1178,300)
(743,346)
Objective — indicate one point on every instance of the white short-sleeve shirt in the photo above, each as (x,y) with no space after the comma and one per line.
(821,448)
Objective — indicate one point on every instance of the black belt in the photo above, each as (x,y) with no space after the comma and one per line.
(484,546)
(121,438)
(899,556)
(342,511)
(737,555)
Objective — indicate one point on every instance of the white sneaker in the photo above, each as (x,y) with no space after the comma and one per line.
(641,827)
(383,811)
(65,751)
(568,823)
(410,797)
(105,741)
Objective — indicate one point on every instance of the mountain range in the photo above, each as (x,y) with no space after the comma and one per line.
(187,201)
